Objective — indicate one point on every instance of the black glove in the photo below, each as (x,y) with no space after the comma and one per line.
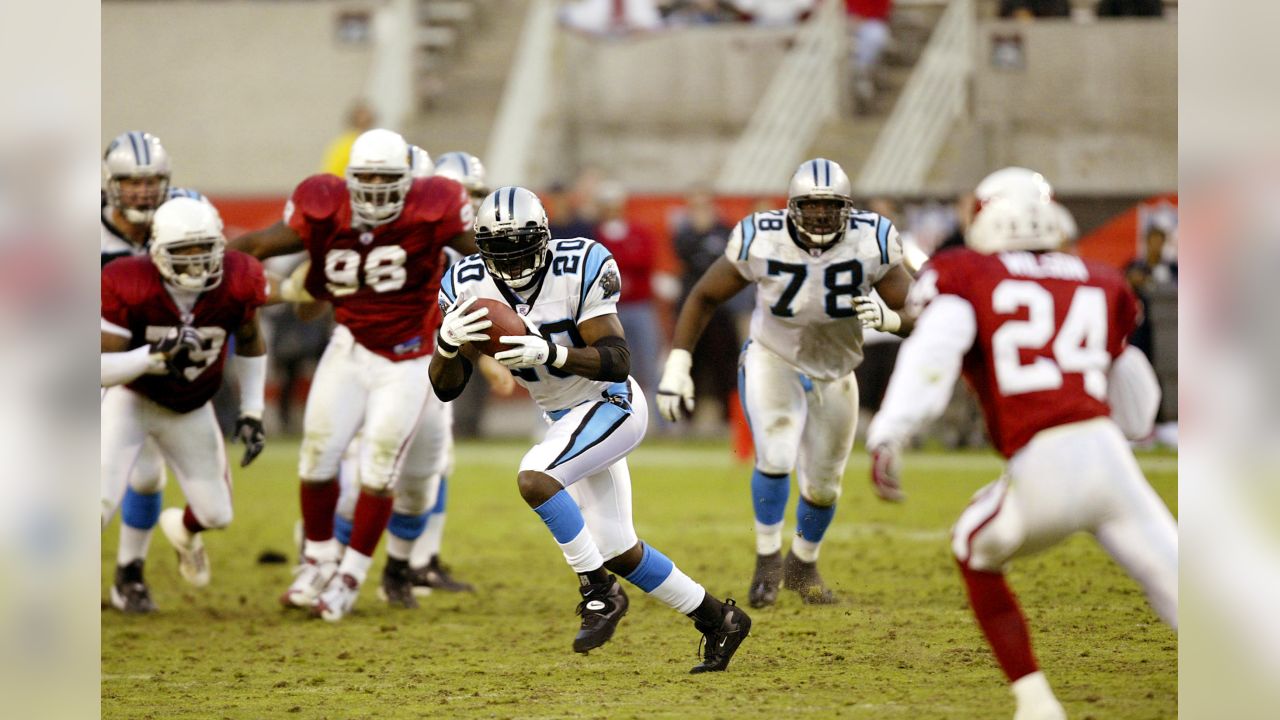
(249,431)
(177,346)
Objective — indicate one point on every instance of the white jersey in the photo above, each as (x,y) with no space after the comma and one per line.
(114,244)
(804,299)
(580,281)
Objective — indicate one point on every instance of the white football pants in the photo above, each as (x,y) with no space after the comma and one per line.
(191,443)
(800,422)
(586,450)
(356,390)
(1080,476)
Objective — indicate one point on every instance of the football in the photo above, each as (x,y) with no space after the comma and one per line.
(505,322)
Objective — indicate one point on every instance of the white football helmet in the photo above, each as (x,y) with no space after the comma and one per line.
(819,203)
(420,165)
(187,243)
(1014,210)
(467,170)
(135,172)
(378,177)
(512,234)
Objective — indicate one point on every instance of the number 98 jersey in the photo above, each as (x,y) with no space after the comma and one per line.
(382,281)
(804,299)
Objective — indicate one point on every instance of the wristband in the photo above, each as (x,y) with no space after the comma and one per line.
(558,356)
(444,348)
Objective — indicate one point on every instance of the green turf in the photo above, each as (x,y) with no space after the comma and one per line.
(902,644)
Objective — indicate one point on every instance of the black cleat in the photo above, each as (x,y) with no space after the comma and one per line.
(397,585)
(435,576)
(719,643)
(129,594)
(602,607)
(803,577)
(766,581)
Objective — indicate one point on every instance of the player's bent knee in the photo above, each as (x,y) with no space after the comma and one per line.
(822,494)
(775,460)
(316,457)
(414,494)
(215,518)
(536,487)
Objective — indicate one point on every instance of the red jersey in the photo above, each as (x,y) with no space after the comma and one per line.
(1048,327)
(134,297)
(383,282)
(635,251)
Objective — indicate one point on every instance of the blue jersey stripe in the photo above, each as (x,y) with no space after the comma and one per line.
(882,237)
(446,285)
(600,423)
(597,256)
(748,234)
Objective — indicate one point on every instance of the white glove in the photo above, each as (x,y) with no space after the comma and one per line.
(460,327)
(885,467)
(676,389)
(875,314)
(530,350)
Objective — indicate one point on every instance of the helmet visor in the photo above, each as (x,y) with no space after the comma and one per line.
(820,216)
(514,257)
(193,264)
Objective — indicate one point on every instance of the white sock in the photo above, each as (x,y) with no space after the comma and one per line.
(323,550)
(1033,693)
(680,592)
(398,547)
(805,550)
(428,544)
(133,544)
(355,564)
(768,538)
(581,552)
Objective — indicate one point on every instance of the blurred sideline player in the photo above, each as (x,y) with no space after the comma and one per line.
(165,325)
(815,265)
(1041,338)
(576,479)
(375,242)
(136,176)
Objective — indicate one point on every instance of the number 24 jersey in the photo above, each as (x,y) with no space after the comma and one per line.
(804,299)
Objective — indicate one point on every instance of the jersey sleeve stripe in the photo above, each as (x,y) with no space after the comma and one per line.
(114,329)
(597,256)
(748,234)
(446,284)
(882,237)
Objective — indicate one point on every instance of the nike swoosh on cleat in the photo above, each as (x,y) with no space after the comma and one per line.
(595,605)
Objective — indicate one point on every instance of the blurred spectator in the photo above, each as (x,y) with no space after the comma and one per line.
(360,117)
(610,18)
(568,215)
(1156,269)
(635,249)
(699,240)
(1031,9)
(701,12)
(1130,8)
(296,346)
(869,33)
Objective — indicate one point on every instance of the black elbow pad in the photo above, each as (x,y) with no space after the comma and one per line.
(451,394)
(615,359)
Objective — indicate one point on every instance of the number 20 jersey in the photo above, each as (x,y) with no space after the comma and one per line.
(804,300)
(1047,328)
(580,281)
(382,281)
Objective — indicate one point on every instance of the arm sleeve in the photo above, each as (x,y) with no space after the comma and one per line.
(738,249)
(926,371)
(1133,393)
(604,284)
(119,368)
(251,372)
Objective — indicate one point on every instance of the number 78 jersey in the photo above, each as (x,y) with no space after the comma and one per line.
(804,300)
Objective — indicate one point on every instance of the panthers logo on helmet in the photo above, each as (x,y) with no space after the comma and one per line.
(610,283)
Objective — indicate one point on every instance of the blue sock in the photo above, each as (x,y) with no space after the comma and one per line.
(653,569)
(440,497)
(139,511)
(769,496)
(562,516)
(812,521)
(405,527)
(342,529)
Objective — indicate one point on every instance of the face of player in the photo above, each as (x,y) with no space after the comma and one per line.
(821,216)
(514,259)
(381,196)
(142,193)
(196,260)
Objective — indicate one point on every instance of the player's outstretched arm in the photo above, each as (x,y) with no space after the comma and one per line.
(606,356)
(720,282)
(279,239)
(250,365)
(889,311)
(120,365)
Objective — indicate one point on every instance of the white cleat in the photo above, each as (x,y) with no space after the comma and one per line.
(1036,700)
(338,598)
(310,579)
(193,562)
